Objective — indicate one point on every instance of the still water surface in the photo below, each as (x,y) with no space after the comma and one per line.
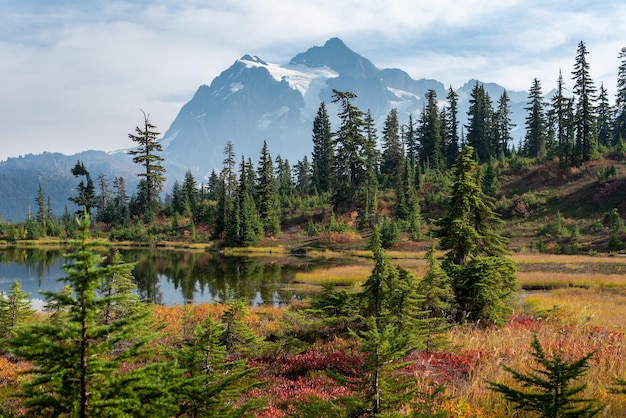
(168,277)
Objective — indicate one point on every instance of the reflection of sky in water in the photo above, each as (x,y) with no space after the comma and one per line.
(44,276)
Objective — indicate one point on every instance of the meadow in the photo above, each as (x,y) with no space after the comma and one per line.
(573,304)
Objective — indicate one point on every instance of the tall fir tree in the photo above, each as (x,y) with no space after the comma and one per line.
(322,156)
(349,160)
(502,126)
(189,194)
(619,128)
(584,94)
(483,278)
(479,128)
(432,148)
(267,195)
(146,155)
(558,117)
(372,160)
(452,141)
(393,154)
(604,118)
(15,308)
(86,198)
(536,133)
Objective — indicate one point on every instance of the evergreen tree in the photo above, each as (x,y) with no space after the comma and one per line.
(268,201)
(86,190)
(372,157)
(15,308)
(479,128)
(76,364)
(207,381)
(483,279)
(548,388)
(502,126)
(42,212)
(604,122)
(584,92)
(437,292)
(189,193)
(119,292)
(432,146)
(349,161)
(619,127)
(284,177)
(322,157)
(559,118)
(468,228)
(250,228)
(536,135)
(411,141)
(146,155)
(391,166)
(452,128)
(302,172)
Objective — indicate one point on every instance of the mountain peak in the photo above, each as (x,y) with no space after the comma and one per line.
(337,56)
(253,59)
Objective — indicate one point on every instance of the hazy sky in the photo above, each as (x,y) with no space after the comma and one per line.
(74,73)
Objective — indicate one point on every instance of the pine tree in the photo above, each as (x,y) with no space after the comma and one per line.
(322,157)
(372,157)
(479,128)
(619,127)
(483,279)
(146,155)
(189,194)
(42,213)
(207,381)
(302,174)
(548,389)
(468,228)
(76,366)
(432,146)
(584,92)
(502,126)
(452,128)
(250,228)
(268,201)
(391,166)
(559,118)
(349,160)
(536,134)
(86,190)
(15,308)
(604,121)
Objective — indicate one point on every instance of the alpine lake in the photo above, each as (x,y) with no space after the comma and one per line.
(172,276)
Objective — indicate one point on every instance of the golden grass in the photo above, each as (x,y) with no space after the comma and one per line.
(510,346)
(349,275)
(524,258)
(549,280)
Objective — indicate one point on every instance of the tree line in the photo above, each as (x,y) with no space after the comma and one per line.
(351,166)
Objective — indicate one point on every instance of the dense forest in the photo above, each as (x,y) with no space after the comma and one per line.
(99,351)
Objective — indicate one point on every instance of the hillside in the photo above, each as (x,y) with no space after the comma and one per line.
(535,197)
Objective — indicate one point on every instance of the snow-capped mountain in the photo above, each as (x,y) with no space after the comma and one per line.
(254,100)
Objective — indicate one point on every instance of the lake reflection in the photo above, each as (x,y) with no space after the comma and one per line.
(167,277)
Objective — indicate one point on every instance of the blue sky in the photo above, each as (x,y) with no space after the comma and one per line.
(74,73)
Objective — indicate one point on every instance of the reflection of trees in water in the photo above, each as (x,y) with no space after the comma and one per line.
(193,275)
(208,276)
(37,261)
(146,274)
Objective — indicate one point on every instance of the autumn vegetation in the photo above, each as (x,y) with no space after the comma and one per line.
(490,279)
